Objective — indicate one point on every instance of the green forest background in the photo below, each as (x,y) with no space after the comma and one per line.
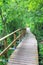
(16,14)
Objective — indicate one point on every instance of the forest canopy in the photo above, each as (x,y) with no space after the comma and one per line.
(20,13)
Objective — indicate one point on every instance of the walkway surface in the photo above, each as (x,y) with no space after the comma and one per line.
(26,52)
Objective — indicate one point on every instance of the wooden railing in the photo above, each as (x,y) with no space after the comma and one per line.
(6,47)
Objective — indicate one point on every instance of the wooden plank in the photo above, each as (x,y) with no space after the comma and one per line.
(5,45)
(26,52)
(15,41)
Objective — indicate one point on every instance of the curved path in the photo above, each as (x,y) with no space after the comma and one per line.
(26,52)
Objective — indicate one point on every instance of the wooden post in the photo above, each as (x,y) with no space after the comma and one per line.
(24,32)
(14,39)
(5,45)
(20,36)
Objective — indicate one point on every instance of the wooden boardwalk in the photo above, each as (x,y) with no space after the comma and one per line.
(26,52)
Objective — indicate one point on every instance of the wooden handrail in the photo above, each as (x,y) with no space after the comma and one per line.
(8,46)
(9,35)
(4,38)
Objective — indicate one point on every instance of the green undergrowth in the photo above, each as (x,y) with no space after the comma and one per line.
(40,53)
(4,60)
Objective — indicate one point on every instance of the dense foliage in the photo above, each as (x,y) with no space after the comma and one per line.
(16,14)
